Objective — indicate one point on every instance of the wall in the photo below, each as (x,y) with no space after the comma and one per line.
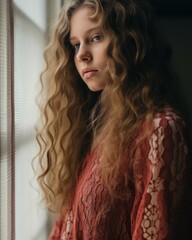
(178,32)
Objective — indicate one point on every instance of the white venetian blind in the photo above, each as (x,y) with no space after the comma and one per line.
(29,43)
(23,36)
(7,230)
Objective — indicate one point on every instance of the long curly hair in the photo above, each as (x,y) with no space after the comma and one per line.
(75,121)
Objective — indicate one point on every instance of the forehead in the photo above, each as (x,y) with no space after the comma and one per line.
(82,20)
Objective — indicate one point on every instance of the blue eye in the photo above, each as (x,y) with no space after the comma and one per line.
(96,38)
(76,46)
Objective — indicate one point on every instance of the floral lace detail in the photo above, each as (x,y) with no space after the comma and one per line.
(152,217)
(69,223)
(159,174)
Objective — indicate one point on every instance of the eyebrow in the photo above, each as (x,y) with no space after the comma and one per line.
(87,32)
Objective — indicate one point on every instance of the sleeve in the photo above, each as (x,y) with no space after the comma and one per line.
(57,228)
(159,177)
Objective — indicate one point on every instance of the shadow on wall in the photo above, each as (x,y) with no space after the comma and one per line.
(177,8)
(174,20)
(178,32)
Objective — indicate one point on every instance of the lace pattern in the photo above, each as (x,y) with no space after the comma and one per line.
(159,175)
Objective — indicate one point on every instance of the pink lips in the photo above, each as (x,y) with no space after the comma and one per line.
(88,73)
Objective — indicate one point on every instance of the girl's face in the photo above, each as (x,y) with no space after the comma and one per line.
(90,43)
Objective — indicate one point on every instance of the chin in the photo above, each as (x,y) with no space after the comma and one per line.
(95,88)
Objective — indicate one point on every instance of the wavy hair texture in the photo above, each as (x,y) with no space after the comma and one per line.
(76,121)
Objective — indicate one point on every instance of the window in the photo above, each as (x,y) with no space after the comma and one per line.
(22,217)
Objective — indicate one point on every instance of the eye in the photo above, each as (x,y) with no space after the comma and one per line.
(76,46)
(96,38)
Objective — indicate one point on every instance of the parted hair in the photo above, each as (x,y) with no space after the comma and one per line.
(75,121)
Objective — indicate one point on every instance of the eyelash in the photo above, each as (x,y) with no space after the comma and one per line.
(96,38)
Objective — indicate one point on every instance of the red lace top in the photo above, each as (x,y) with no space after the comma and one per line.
(159,175)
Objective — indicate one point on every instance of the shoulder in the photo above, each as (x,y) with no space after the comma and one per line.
(167,123)
(164,135)
(165,143)
(168,135)
(168,119)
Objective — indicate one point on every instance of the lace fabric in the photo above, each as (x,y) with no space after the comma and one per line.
(159,181)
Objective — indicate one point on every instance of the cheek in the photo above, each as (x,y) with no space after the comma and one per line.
(76,64)
(105,64)
(104,59)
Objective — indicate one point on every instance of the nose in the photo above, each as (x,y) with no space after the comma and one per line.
(84,54)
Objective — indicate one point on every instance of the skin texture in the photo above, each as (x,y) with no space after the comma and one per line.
(90,43)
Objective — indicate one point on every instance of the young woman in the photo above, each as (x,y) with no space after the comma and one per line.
(112,147)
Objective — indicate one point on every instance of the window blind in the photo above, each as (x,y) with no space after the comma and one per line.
(29,44)
(7,144)
(24,29)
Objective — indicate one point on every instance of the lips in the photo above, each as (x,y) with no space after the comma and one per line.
(88,72)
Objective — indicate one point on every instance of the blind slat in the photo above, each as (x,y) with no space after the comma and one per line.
(7,185)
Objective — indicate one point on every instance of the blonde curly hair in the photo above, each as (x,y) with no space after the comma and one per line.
(76,121)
